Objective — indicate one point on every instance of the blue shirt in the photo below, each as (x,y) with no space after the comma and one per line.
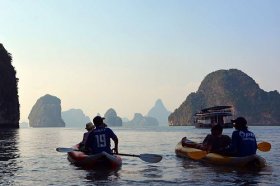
(243,143)
(98,140)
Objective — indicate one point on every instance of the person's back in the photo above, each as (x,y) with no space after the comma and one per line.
(99,139)
(216,142)
(243,141)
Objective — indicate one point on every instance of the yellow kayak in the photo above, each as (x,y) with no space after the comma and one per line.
(253,161)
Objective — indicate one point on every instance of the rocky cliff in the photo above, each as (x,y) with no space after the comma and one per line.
(159,112)
(140,121)
(112,119)
(9,103)
(75,118)
(231,87)
(46,113)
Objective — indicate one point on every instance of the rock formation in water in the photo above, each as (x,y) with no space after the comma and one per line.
(140,121)
(46,113)
(235,88)
(75,118)
(112,119)
(159,112)
(9,102)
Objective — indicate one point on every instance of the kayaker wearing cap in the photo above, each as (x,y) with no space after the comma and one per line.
(99,139)
(243,141)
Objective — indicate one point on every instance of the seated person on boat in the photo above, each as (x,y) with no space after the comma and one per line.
(99,139)
(243,141)
(89,128)
(214,142)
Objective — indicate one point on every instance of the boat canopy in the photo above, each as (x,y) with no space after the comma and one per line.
(216,108)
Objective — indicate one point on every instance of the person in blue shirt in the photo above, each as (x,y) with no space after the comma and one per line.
(243,141)
(99,139)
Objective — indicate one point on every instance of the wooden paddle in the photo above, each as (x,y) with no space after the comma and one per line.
(151,158)
(197,155)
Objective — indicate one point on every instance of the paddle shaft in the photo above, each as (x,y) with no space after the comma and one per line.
(132,155)
(151,158)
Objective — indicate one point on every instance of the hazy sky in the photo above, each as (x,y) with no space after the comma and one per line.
(126,54)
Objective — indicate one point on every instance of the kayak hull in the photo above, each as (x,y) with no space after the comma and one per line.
(103,160)
(253,161)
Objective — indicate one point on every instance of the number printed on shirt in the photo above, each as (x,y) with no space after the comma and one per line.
(100,140)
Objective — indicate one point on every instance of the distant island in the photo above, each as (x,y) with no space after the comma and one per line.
(46,112)
(159,112)
(75,118)
(230,87)
(112,119)
(141,121)
(157,116)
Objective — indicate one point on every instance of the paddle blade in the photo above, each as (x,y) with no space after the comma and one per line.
(151,158)
(197,155)
(64,149)
(264,146)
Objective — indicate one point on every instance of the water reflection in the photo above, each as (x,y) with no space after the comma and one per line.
(102,175)
(8,144)
(8,154)
(151,172)
(223,174)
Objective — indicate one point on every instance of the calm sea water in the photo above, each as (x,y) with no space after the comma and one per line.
(28,157)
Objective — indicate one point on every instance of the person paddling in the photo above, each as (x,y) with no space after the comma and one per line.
(99,139)
(214,142)
(243,141)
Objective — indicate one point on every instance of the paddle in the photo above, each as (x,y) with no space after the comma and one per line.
(197,155)
(151,158)
(65,149)
(264,146)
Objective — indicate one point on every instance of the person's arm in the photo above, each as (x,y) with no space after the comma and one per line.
(232,149)
(114,137)
(88,143)
(256,145)
(116,141)
(207,143)
(84,139)
(206,139)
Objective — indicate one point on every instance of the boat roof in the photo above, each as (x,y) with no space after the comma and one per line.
(215,108)
(214,111)
(212,114)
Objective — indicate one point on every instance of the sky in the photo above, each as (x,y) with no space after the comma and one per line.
(122,54)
